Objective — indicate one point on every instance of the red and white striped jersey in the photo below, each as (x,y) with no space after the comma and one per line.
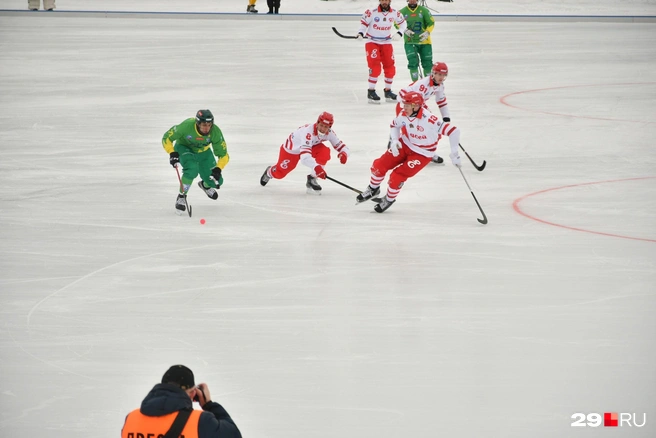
(425,87)
(421,133)
(304,138)
(378,25)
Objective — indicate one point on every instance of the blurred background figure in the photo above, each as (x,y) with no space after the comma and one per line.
(48,5)
(274,6)
(251,7)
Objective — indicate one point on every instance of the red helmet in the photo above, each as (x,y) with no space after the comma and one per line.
(414,98)
(326,118)
(440,67)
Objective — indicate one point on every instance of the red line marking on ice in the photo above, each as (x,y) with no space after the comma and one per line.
(518,209)
(504,100)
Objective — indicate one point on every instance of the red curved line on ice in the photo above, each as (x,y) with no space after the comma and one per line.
(517,208)
(504,100)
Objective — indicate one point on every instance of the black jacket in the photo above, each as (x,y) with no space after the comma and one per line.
(165,399)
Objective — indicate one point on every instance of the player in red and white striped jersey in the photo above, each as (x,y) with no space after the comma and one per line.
(306,145)
(378,26)
(429,86)
(414,134)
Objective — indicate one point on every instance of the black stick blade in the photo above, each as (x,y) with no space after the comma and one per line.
(479,168)
(348,37)
(484,220)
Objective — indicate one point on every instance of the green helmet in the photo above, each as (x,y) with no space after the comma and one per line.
(204,115)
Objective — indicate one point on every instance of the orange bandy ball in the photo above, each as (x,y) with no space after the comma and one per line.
(202,221)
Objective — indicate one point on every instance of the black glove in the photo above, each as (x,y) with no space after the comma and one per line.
(446,119)
(174,158)
(216,176)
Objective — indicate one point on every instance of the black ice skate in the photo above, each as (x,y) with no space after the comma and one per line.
(251,9)
(312,185)
(383,205)
(181,204)
(389,96)
(209,191)
(265,177)
(368,193)
(372,96)
(438,160)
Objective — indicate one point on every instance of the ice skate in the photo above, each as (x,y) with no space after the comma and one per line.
(265,177)
(372,96)
(251,9)
(209,191)
(313,187)
(389,95)
(181,204)
(383,205)
(368,193)
(438,160)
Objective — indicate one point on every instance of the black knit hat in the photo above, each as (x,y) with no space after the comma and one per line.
(179,375)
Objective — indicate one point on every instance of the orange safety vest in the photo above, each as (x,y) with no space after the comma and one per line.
(138,425)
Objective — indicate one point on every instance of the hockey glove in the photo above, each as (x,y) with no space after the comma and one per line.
(216,176)
(446,119)
(342,157)
(397,36)
(321,173)
(424,36)
(409,33)
(174,158)
(455,158)
(394,148)
(359,36)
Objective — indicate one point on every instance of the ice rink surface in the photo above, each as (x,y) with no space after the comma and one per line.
(309,316)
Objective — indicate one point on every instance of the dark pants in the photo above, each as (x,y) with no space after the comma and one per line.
(274,6)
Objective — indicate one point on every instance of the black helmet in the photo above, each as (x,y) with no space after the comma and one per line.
(204,115)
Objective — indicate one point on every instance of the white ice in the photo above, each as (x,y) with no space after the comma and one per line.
(309,316)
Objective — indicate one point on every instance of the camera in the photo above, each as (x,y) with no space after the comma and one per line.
(196,399)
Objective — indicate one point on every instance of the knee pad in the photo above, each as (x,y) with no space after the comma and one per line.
(375,71)
(396,181)
(278,172)
(376,171)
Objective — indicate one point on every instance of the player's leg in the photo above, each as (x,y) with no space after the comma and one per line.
(413,60)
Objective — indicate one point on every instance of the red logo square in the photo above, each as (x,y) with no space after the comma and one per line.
(610,419)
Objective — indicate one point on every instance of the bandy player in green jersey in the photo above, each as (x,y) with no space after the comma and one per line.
(418,46)
(193,144)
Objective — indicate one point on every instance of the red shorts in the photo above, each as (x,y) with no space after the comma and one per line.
(287,162)
(405,166)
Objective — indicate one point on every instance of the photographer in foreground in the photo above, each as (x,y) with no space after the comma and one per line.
(167,410)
